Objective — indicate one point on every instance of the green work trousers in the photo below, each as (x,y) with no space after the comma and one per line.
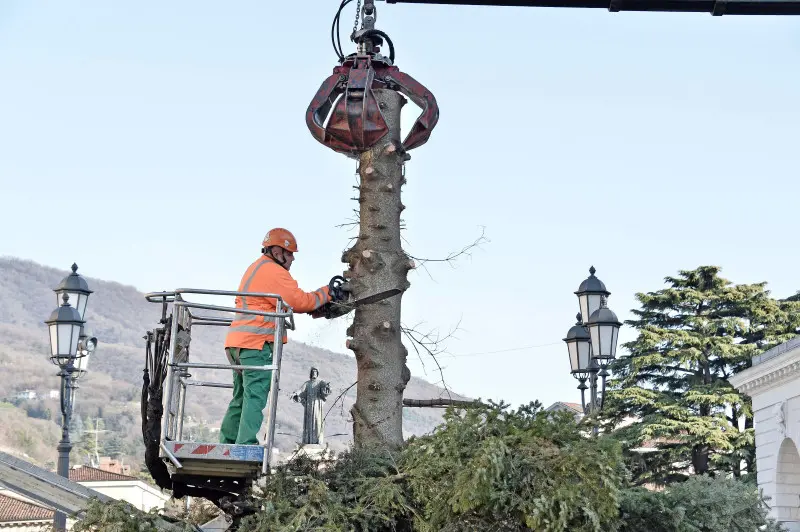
(250,390)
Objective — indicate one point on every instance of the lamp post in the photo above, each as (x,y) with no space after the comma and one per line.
(70,348)
(592,342)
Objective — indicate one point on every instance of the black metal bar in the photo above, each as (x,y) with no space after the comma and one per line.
(715,7)
(440,402)
(65,445)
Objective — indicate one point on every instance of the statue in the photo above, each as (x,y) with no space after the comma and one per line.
(312,394)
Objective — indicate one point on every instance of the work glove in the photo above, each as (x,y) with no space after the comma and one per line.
(339,291)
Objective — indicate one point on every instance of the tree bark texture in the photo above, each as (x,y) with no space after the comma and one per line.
(377,262)
(700,453)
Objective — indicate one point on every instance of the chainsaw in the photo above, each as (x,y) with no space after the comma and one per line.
(339,304)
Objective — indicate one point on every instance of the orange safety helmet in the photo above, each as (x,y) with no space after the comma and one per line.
(280,237)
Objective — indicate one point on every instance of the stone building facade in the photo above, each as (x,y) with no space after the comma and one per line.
(773,383)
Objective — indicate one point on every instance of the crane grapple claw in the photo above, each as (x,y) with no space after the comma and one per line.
(345,116)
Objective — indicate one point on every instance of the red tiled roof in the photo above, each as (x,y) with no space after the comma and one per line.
(12,509)
(88,474)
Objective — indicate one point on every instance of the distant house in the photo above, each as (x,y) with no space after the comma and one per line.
(20,515)
(26,394)
(114,466)
(54,394)
(559,406)
(121,487)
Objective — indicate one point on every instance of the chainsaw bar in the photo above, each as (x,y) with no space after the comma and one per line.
(374,298)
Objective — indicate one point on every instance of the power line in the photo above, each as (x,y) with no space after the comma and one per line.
(447,355)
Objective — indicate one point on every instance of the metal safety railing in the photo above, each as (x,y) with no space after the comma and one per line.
(177,377)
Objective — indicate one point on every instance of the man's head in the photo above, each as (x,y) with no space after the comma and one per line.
(313,374)
(281,245)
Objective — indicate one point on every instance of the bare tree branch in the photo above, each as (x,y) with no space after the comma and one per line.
(432,344)
(453,256)
(340,397)
(353,223)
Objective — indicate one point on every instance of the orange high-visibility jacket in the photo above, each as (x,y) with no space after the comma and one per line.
(249,331)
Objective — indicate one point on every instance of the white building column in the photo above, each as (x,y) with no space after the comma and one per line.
(773,383)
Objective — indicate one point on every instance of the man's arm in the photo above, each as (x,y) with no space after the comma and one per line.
(299,300)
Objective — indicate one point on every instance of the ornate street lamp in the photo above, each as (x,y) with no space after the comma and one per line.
(592,344)
(65,326)
(603,328)
(589,294)
(77,288)
(69,350)
(580,354)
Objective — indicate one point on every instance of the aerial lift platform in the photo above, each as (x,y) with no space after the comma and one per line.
(221,473)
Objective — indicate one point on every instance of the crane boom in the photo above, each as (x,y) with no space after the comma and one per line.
(715,7)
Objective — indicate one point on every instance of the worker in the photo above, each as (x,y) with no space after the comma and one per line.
(251,338)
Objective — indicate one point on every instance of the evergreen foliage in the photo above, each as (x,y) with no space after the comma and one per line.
(113,446)
(701,504)
(87,444)
(489,468)
(694,335)
(120,517)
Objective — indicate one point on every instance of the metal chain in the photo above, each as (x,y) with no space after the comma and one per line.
(358,14)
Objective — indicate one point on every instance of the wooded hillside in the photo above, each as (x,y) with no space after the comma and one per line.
(118,316)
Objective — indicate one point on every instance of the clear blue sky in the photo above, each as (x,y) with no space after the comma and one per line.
(640,143)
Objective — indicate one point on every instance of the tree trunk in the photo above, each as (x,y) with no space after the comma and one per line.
(377,262)
(441,402)
(734,421)
(700,452)
(750,460)
(700,459)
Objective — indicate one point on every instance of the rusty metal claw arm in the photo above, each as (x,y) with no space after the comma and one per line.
(320,107)
(422,97)
(344,114)
(365,122)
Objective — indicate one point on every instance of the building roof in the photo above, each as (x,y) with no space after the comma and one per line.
(89,474)
(777,350)
(562,405)
(16,510)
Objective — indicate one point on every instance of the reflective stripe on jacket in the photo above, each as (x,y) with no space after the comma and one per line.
(249,331)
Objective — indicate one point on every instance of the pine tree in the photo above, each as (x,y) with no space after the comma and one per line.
(112,446)
(89,445)
(75,426)
(693,336)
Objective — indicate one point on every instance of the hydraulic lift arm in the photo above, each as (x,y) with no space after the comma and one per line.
(715,7)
